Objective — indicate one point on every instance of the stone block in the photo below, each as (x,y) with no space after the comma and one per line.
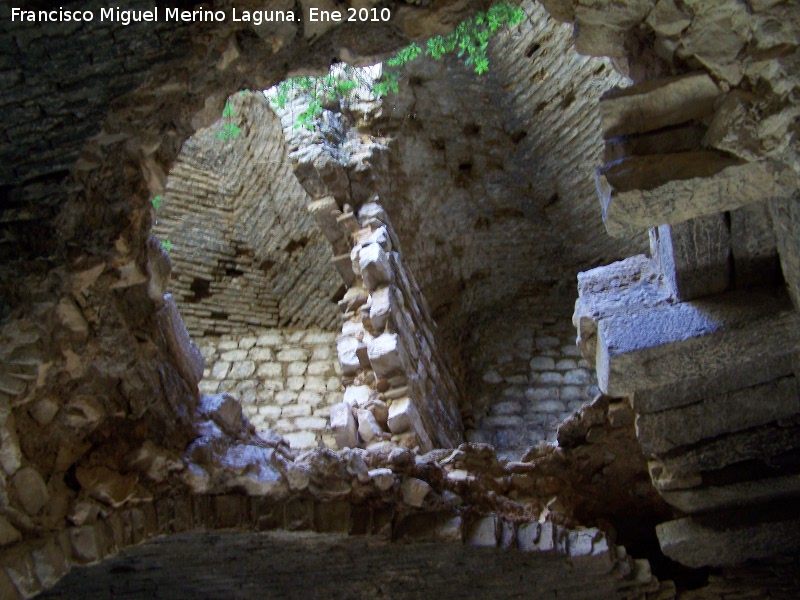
(269,369)
(696,544)
(483,532)
(293,355)
(655,104)
(357,395)
(285,397)
(272,338)
(295,383)
(632,210)
(549,378)
(315,384)
(310,398)
(566,364)
(542,363)
(690,339)
(383,305)
(220,370)
(311,423)
(368,427)
(224,410)
(247,342)
(375,266)
(694,256)
(243,369)
(550,406)
(728,378)
(234,355)
(321,353)
(31,490)
(414,491)
(270,413)
(295,410)
(344,426)
(301,439)
(320,368)
(226,345)
(387,355)
(577,377)
(296,368)
(509,407)
(724,413)
(539,394)
(346,347)
(713,498)
(383,479)
(403,416)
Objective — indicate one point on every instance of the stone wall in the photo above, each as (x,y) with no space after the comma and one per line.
(245,253)
(529,377)
(286,380)
(398,383)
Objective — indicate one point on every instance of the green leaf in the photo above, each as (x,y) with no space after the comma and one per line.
(157,201)
(166,245)
(228,110)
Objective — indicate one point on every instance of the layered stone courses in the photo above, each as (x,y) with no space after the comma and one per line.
(532,378)
(286,380)
(708,361)
(399,385)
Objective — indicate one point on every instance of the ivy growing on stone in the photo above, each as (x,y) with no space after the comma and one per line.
(469,40)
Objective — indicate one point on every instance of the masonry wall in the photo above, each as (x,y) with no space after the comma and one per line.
(527,375)
(285,379)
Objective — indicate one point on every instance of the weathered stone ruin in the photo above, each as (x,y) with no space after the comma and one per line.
(529,334)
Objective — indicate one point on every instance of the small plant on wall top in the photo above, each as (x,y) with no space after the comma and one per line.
(156,202)
(469,40)
(230,129)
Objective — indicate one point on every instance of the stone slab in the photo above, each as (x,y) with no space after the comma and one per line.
(695,544)
(640,349)
(630,212)
(654,104)
(737,375)
(660,432)
(737,494)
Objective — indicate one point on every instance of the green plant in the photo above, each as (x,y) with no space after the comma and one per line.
(156,202)
(470,39)
(229,129)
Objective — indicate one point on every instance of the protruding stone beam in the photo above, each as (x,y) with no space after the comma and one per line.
(633,283)
(628,210)
(704,499)
(640,349)
(697,543)
(758,443)
(660,432)
(652,105)
(729,378)
(694,256)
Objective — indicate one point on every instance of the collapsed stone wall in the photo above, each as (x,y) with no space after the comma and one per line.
(286,380)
